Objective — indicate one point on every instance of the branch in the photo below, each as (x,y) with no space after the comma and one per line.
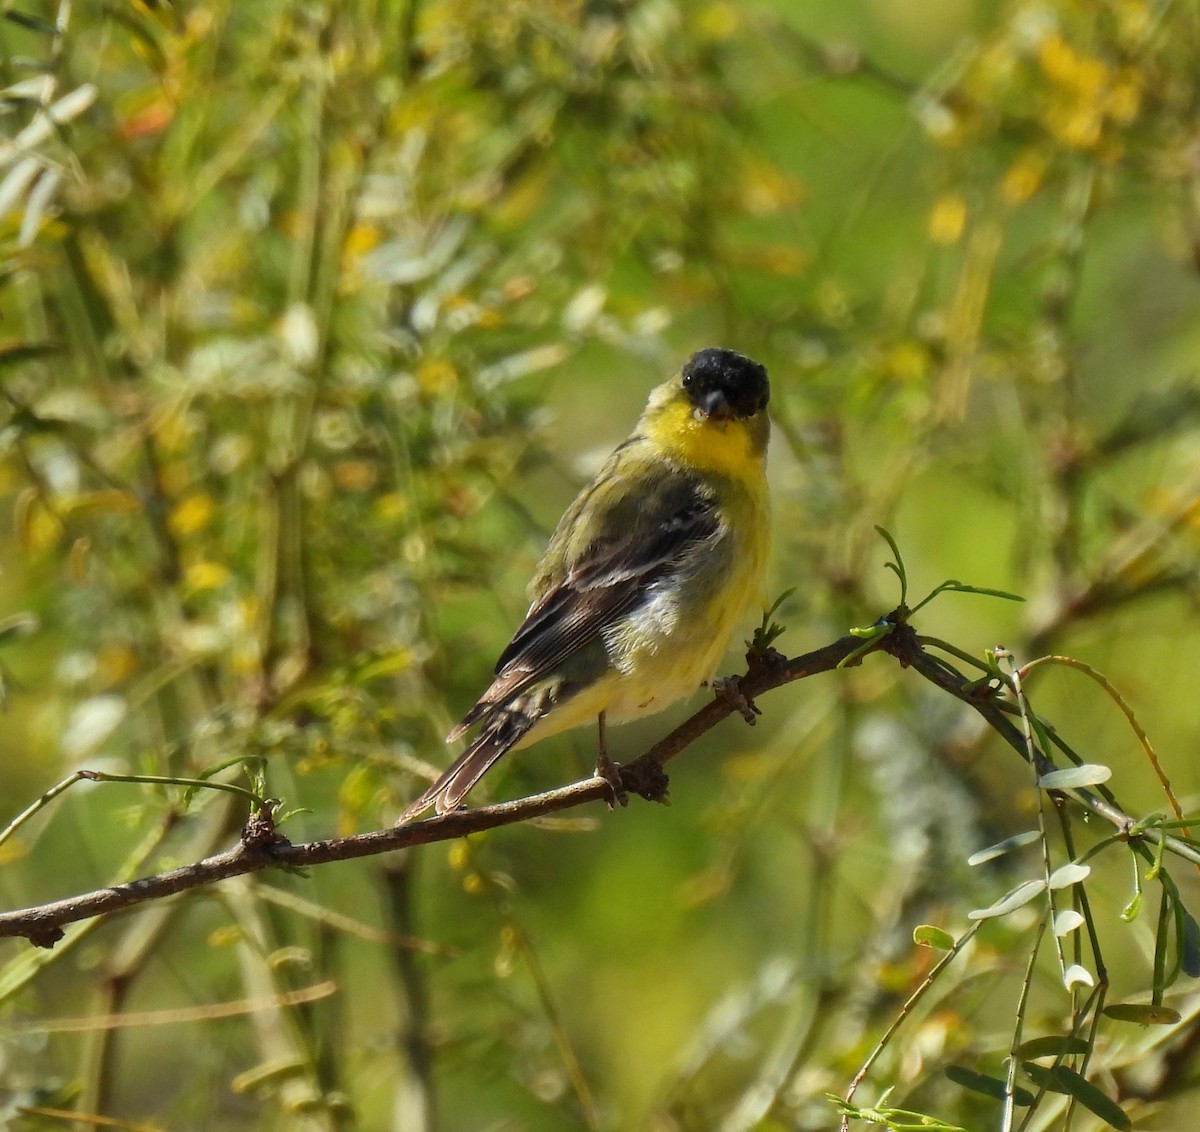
(263,847)
(902,643)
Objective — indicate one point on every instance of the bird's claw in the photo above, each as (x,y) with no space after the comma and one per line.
(609,773)
(728,688)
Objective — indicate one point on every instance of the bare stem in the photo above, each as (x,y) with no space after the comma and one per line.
(263,847)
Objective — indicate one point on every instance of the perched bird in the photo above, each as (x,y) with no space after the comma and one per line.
(645,578)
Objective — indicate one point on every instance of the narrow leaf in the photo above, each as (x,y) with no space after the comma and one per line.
(1052,1045)
(988,1086)
(107,502)
(1069,874)
(1063,1080)
(33,91)
(36,204)
(18,625)
(12,355)
(886,535)
(1017,898)
(1067,921)
(1090,774)
(963,588)
(18,179)
(73,104)
(928,936)
(1130,912)
(44,124)
(1017,841)
(32,23)
(1143,1013)
(1077,974)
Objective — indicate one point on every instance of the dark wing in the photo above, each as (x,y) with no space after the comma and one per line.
(612,575)
(645,539)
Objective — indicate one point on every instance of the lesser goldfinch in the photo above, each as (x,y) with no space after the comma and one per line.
(645,578)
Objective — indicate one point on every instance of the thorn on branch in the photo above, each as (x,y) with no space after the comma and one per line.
(647,779)
(259,830)
(763,662)
(902,642)
(45,937)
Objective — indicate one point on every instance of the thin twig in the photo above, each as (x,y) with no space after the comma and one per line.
(263,847)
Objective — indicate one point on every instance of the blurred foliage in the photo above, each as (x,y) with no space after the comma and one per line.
(312,315)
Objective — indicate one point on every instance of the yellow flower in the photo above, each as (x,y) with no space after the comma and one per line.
(1023,177)
(206,575)
(948,218)
(717,21)
(192,515)
(1083,74)
(1124,98)
(1077,126)
(436,376)
(907,361)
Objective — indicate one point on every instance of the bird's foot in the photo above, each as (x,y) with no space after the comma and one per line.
(609,773)
(729,689)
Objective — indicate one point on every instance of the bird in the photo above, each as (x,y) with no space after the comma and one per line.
(644,580)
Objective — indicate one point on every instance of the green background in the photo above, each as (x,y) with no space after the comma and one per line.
(314,318)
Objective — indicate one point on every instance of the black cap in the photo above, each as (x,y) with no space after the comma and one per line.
(724,384)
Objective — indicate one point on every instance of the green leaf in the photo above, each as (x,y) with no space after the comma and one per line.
(1143,1013)
(32,23)
(896,567)
(962,588)
(779,601)
(1060,1079)
(1017,841)
(768,631)
(896,1119)
(17,626)
(988,1086)
(1090,774)
(1051,1045)
(30,351)
(928,936)
(398,661)
(1017,898)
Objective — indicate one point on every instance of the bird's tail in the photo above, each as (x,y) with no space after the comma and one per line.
(503,729)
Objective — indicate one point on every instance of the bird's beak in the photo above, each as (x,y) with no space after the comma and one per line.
(714,406)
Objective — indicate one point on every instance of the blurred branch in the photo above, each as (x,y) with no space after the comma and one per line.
(262,846)
(414,1094)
